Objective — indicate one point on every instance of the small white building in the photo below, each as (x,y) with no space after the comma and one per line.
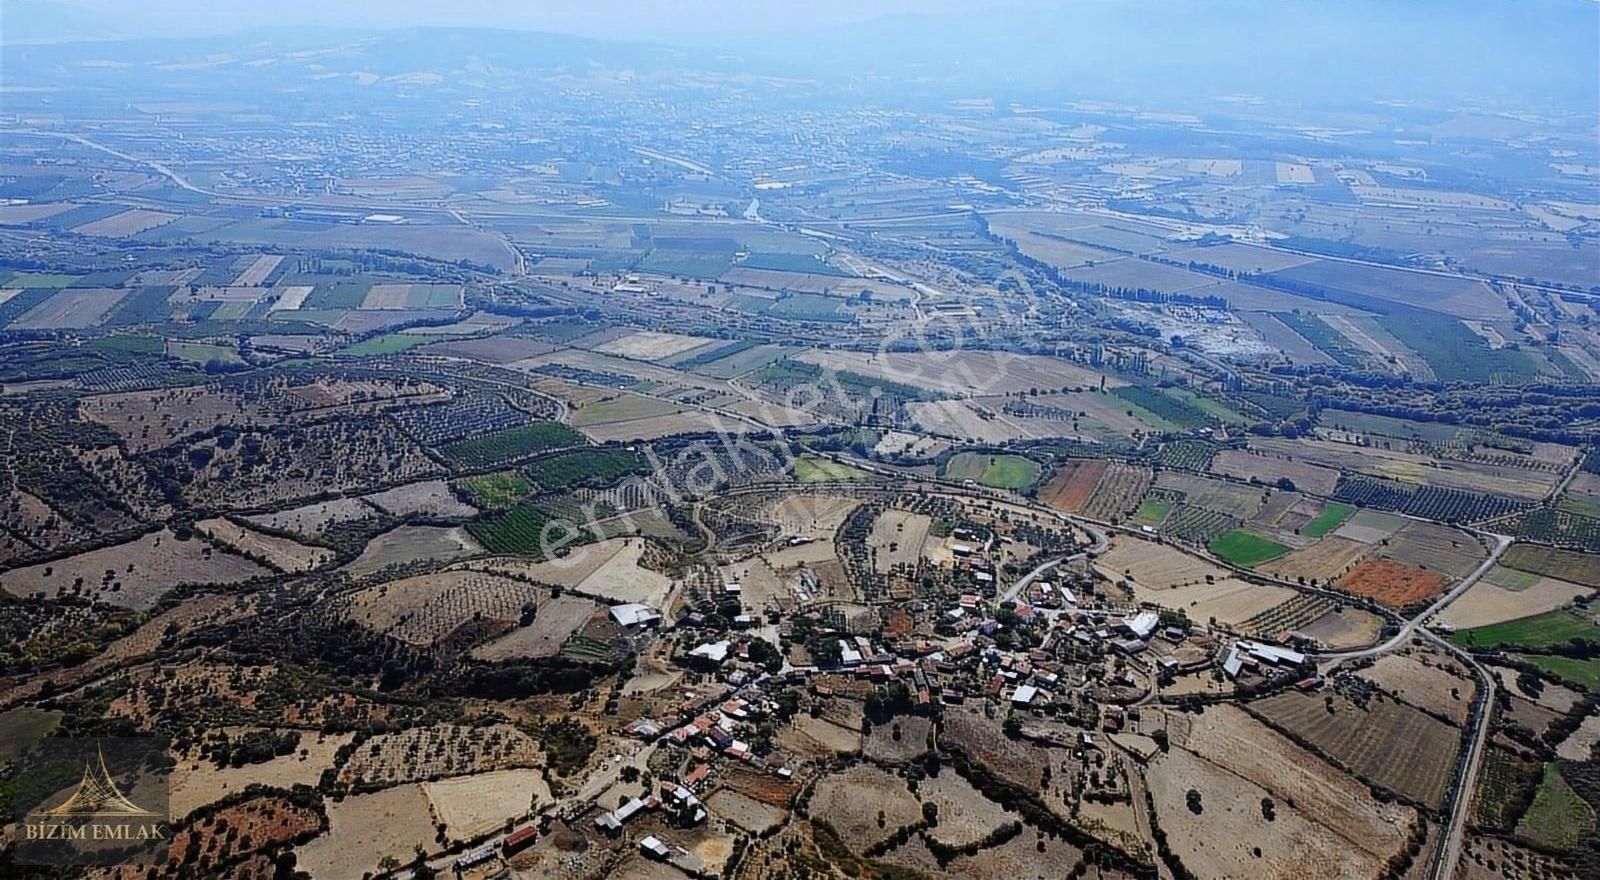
(633,615)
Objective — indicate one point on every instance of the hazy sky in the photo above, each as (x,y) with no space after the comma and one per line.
(667,20)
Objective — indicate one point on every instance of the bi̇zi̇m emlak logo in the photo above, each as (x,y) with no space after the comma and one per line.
(96,801)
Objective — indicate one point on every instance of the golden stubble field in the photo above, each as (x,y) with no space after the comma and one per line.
(1326,824)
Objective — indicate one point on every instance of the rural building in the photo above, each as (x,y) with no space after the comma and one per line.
(635,616)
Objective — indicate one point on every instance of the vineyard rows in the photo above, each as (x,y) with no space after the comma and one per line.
(1198,525)
(1427,502)
(1186,455)
(509,444)
(585,467)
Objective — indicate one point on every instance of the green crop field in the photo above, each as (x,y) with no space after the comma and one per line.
(1244,549)
(1538,631)
(999,471)
(203,352)
(392,343)
(512,443)
(497,490)
(1170,413)
(1329,519)
(1558,818)
(1152,511)
(810,469)
(1584,673)
(525,529)
(585,467)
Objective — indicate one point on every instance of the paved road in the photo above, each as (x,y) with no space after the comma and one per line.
(1448,855)
(1411,626)
(1100,543)
(1448,852)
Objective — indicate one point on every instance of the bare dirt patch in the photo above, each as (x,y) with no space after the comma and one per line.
(135,574)
(472,806)
(1423,680)
(197,781)
(364,829)
(429,497)
(280,553)
(412,543)
(553,623)
(851,802)
(1391,583)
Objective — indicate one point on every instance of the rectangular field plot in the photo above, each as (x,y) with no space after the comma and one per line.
(71,309)
(127,223)
(648,345)
(1506,594)
(412,296)
(1387,743)
(1538,631)
(1244,549)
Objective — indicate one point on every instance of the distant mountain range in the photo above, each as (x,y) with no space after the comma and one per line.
(1538,55)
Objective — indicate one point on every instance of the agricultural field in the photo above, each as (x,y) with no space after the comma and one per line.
(1387,743)
(1568,565)
(1168,577)
(74,308)
(554,622)
(197,780)
(1119,490)
(431,498)
(427,609)
(961,372)
(1392,584)
(648,345)
(1426,680)
(1558,819)
(1538,631)
(470,807)
(1073,484)
(998,471)
(851,802)
(1271,469)
(1244,549)
(586,467)
(1321,562)
(811,469)
(280,553)
(135,574)
(411,543)
(1506,594)
(366,828)
(510,444)
(897,539)
(1325,824)
(496,490)
(312,520)
(418,754)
